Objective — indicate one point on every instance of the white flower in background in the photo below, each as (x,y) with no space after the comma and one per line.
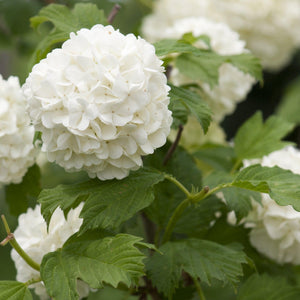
(16,134)
(271,28)
(233,85)
(276,229)
(101,102)
(32,236)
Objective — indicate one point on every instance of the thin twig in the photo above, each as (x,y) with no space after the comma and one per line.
(113,13)
(174,145)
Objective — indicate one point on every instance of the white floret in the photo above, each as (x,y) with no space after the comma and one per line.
(36,241)
(101,102)
(17,152)
(271,28)
(276,229)
(233,85)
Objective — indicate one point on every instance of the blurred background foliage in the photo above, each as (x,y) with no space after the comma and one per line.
(18,42)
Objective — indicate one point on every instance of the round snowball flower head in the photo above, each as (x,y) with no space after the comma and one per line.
(36,241)
(271,28)
(233,85)
(17,152)
(101,102)
(276,229)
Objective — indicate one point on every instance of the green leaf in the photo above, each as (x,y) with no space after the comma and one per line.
(204,260)
(64,21)
(289,107)
(220,158)
(167,195)
(267,288)
(111,260)
(13,290)
(283,186)
(189,103)
(247,63)
(239,200)
(203,65)
(107,203)
(167,46)
(20,196)
(255,139)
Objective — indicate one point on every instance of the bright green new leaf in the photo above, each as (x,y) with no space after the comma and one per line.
(13,290)
(64,21)
(289,107)
(255,139)
(189,103)
(268,288)
(107,203)
(20,196)
(283,186)
(111,260)
(204,260)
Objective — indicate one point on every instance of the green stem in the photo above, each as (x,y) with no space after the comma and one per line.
(174,218)
(11,239)
(200,196)
(179,184)
(236,166)
(199,289)
(33,280)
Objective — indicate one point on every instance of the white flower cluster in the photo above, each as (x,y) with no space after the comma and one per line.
(101,102)
(233,85)
(271,28)
(17,152)
(32,236)
(276,229)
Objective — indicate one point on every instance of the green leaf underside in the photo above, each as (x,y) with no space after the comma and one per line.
(201,259)
(20,196)
(107,203)
(13,290)
(289,107)
(267,288)
(64,21)
(255,139)
(203,65)
(185,102)
(111,260)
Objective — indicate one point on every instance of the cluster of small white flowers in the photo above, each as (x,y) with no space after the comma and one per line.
(271,28)
(233,84)
(101,102)
(276,229)
(17,152)
(36,241)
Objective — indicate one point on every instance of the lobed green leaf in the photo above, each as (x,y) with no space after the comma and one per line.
(255,139)
(201,259)
(13,290)
(107,203)
(64,21)
(110,260)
